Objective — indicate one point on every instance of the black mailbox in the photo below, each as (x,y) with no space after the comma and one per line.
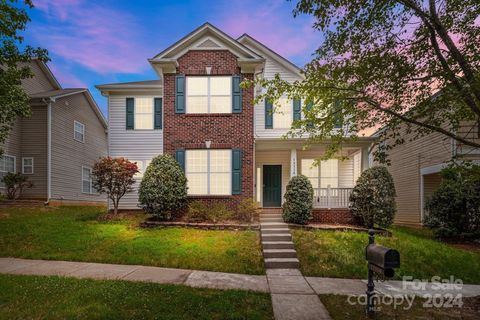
(383,257)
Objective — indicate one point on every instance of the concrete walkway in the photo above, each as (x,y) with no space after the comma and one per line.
(292,296)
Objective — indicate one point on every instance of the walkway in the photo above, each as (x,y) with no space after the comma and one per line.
(292,296)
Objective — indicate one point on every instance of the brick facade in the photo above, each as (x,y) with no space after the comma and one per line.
(225,131)
(333,216)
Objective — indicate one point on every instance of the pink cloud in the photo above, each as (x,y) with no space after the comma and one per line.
(91,35)
(66,78)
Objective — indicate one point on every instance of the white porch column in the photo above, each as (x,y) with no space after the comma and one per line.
(293,162)
(365,158)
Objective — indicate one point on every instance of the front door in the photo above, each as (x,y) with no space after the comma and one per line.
(272,186)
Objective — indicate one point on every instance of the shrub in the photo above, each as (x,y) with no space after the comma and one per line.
(114,176)
(454,209)
(246,210)
(215,212)
(163,189)
(373,198)
(15,183)
(298,200)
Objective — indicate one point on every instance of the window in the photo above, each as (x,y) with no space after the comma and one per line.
(7,164)
(209,94)
(144,113)
(27,165)
(209,172)
(283,114)
(79,131)
(87,180)
(323,175)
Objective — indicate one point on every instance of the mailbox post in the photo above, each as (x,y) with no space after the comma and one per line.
(382,262)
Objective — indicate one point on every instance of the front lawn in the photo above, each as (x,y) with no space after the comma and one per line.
(338,254)
(33,297)
(339,308)
(75,234)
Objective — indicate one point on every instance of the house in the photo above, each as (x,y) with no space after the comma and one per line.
(57,145)
(229,148)
(416,165)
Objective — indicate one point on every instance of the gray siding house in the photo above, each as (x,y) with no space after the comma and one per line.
(57,145)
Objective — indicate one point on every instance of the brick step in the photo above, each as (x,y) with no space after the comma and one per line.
(279,253)
(281,263)
(271,219)
(277,245)
(275,231)
(277,237)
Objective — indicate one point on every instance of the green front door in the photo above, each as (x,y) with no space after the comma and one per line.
(272,186)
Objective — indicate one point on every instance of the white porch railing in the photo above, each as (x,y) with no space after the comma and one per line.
(331,197)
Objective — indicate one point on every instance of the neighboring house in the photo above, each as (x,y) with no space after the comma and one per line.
(57,145)
(229,148)
(416,165)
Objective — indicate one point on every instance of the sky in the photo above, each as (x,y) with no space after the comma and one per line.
(105,41)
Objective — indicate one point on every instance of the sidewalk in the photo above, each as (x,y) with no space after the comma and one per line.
(214,280)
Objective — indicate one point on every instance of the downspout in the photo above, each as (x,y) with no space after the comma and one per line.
(49,152)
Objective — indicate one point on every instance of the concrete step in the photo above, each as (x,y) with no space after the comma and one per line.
(277,237)
(277,245)
(271,219)
(281,263)
(273,224)
(276,230)
(279,253)
(270,215)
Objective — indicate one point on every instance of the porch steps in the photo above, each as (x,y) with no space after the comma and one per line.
(278,248)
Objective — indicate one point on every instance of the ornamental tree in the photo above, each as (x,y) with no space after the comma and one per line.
(14,54)
(115,177)
(387,64)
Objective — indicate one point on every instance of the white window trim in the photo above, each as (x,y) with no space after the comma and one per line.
(153,112)
(208,194)
(75,122)
(91,181)
(208,95)
(14,167)
(23,165)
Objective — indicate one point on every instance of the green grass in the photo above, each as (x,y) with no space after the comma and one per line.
(33,297)
(339,308)
(75,234)
(338,254)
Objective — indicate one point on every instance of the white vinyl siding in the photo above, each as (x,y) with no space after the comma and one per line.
(79,131)
(7,164)
(87,180)
(144,113)
(27,165)
(209,95)
(209,172)
(283,114)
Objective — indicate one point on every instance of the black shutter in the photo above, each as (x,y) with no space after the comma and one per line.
(158,113)
(268,115)
(236,171)
(236,95)
(180,94)
(130,114)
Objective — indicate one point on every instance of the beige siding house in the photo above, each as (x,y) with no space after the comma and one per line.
(416,165)
(57,145)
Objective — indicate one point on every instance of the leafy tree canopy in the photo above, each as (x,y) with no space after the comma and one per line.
(14,101)
(378,59)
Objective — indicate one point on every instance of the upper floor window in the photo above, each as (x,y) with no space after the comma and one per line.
(78,131)
(209,94)
(7,164)
(283,114)
(209,172)
(323,175)
(144,113)
(27,165)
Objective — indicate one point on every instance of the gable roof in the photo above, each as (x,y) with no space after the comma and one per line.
(48,73)
(205,37)
(55,94)
(247,39)
(128,86)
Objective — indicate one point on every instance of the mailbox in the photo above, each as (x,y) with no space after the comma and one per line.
(382,259)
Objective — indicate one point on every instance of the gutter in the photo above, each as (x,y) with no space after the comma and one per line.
(49,152)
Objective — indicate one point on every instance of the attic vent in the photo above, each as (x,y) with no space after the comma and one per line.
(208,44)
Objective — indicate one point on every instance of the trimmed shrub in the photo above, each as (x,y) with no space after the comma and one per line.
(246,210)
(215,212)
(298,200)
(163,190)
(373,198)
(197,212)
(15,183)
(453,211)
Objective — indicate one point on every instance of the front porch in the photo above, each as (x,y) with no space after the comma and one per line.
(277,161)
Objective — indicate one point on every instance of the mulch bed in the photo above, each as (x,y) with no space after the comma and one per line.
(334,227)
(204,226)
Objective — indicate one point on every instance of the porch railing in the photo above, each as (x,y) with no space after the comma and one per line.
(331,197)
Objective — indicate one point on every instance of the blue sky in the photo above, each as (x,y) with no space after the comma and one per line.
(103,41)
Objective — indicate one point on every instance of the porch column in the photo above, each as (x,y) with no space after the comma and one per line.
(365,158)
(293,162)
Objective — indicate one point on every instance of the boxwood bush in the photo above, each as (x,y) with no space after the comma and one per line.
(373,198)
(453,211)
(298,200)
(163,190)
